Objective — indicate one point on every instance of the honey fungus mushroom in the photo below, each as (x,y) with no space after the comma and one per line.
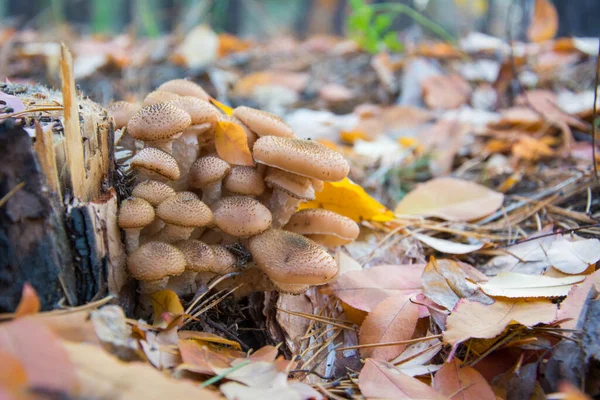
(122,111)
(182,213)
(200,258)
(153,163)
(292,260)
(263,123)
(153,263)
(324,227)
(245,181)
(134,215)
(241,216)
(184,87)
(158,125)
(288,191)
(206,174)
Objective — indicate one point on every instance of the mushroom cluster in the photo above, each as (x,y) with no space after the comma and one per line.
(192,215)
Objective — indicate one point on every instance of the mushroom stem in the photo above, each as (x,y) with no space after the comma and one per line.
(132,239)
(166,145)
(153,228)
(282,206)
(146,289)
(183,284)
(173,233)
(211,193)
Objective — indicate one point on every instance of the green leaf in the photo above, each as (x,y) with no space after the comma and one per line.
(382,22)
(391,42)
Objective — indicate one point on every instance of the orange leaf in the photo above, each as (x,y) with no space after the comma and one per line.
(226,109)
(353,135)
(232,143)
(13,376)
(349,199)
(392,320)
(382,380)
(462,382)
(544,23)
(471,319)
(30,303)
(165,301)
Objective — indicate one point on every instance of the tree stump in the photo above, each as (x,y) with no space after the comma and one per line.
(58,225)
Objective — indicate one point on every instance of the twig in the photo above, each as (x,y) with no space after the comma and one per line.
(223,374)
(594,114)
(370,345)
(11,193)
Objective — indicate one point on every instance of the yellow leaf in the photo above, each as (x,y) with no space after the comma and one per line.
(347,198)
(165,301)
(205,337)
(226,109)
(232,144)
(544,23)
(353,135)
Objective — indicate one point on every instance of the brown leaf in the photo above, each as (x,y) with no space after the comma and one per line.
(13,378)
(462,383)
(471,319)
(392,320)
(380,379)
(231,143)
(450,199)
(445,283)
(366,288)
(446,92)
(30,303)
(572,308)
(544,23)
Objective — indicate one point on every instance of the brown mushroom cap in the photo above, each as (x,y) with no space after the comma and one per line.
(225,261)
(302,157)
(323,226)
(154,192)
(288,257)
(154,261)
(199,110)
(156,161)
(241,216)
(263,123)
(296,186)
(135,213)
(184,87)
(122,111)
(158,122)
(159,96)
(184,209)
(208,170)
(200,257)
(244,180)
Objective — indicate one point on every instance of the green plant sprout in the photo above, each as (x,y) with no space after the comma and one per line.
(369,25)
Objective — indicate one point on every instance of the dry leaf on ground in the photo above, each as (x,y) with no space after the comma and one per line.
(573,306)
(347,198)
(231,143)
(447,246)
(366,288)
(573,257)
(462,382)
(165,301)
(445,92)
(392,320)
(30,303)
(510,284)
(450,199)
(380,379)
(544,23)
(413,360)
(471,319)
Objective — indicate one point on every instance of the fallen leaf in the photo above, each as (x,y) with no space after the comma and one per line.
(165,301)
(229,44)
(349,199)
(30,303)
(573,307)
(445,283)
(544,23)
(511,284)
(203,358)
(380,379)
(450,199)
(573,256)
(532,149)
(366,288)
(266,353)
(207,337)
(226,109)
(294,327)
(40,353)
(461,382)
(101,375)
(13,378)
(12,102)
(413,360)
(187,53)
(392,320)
(471,319)
(445,92)
(110,325)
(231,143)
(447,246)
(293,391)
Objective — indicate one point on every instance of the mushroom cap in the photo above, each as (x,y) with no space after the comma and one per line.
(296,186)
(183,87)
(290,288)
(151,159)
(157,122)
(199,110)
(241,216)
(184,209)
(122,111)
(263,123)
(208,170)
(154,192)
(225,261)
(302,157)
(288,257)
(244,180)
(153,261)
(135,213)
(159,96)
(200,257)
(323,226)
